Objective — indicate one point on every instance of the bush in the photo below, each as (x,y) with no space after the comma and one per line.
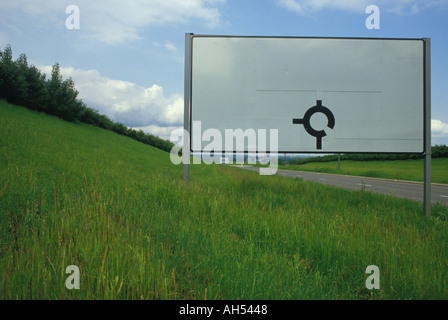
(25,85)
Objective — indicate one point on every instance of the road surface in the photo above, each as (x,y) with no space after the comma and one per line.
(405,189)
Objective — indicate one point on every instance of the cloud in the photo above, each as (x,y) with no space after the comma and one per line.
(170,46)
(125,102)
(291,5)
(396,6)
(439,129)
(306,6)
(116,21)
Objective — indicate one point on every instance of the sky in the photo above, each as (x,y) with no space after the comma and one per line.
(127,57)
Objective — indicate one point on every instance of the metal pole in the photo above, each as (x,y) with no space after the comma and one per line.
(339,161)
(187,92)
(427,139)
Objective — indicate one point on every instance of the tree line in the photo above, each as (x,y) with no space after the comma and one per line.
(437,151)
(24,85)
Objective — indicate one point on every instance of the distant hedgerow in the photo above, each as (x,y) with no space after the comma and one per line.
(437,152)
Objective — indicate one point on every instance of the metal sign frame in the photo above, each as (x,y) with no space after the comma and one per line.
(426,152)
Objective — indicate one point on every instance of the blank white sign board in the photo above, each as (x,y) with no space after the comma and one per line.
(324,95)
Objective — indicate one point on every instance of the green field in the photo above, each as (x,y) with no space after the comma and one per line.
(411,170)
(73,194)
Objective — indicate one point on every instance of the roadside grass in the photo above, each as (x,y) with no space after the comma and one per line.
(411,170)
(72,194)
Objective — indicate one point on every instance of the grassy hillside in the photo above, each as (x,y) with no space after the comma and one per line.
(411,170)
(78,195)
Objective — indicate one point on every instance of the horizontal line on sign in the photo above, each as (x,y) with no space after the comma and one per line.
(353,91)
(378,139)
(296,90)
(293,90)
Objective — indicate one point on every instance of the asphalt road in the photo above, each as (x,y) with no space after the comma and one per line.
(404,189)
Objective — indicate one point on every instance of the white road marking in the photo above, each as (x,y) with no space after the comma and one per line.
(365,185)
(443,196)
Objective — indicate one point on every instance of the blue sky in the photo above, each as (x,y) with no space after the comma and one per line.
(127,57)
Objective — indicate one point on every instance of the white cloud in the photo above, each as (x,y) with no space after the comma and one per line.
(117,21)
(291,5)
(439,129)
(170,46)
(123,101)
(304,6)
(396,6)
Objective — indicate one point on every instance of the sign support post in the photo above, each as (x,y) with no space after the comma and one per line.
(187,94)
(427,126)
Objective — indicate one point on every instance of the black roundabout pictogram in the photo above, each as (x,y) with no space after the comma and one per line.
(318,134)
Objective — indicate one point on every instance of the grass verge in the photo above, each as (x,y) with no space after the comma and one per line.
(410,170)
(73,194)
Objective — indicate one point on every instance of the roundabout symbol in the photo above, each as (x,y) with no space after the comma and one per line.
(318,134)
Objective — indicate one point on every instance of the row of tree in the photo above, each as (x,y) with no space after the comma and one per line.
(25,85)
(438,151)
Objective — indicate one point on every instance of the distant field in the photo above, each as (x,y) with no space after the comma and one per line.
(400,169)
(72,194)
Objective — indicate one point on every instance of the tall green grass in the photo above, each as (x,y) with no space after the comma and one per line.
(71,194)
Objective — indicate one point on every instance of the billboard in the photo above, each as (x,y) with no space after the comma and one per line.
(322,95)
